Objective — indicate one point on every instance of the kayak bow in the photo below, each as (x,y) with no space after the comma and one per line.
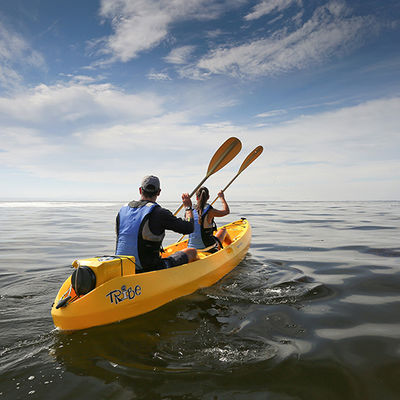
(119,293)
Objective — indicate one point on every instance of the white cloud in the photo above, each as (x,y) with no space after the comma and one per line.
(272,113)
(369,131)
(330,31)
(26,148)
(266,7)
(141,25)
(9,77)
(158,76)
(81,79)
(350,153)
(135,29)
(15,51)
(116,157)
(116,137)
(179,55)
(216,33)
(170,131)
(77,101)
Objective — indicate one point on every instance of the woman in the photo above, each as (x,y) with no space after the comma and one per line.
(202,237)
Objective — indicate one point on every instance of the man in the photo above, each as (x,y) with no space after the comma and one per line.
(141,226)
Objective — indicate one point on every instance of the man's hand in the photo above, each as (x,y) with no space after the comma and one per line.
(187,202)
(221,194)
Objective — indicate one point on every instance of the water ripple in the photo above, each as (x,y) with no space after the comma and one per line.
(363,330)
(310,313)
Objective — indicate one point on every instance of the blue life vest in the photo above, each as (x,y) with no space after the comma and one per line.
(201,237)
(130,227)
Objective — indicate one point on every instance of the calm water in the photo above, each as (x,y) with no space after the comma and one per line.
(312,312)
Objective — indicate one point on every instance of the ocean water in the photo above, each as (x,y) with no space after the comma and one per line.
(312,312)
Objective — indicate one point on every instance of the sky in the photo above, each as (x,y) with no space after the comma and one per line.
(96,94)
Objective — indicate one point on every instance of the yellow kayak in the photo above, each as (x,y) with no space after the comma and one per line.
(119,293)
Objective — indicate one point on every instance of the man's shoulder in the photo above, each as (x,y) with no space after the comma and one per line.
(162,211)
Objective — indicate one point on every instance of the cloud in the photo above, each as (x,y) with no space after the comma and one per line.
(158,76)
(15,52)
(272,113)
(169,131)
(76,101)
(26,149)
(137,26)
(141,25)
(349,153)
(328,33)
(266,7)
(44,130)
(368,131)
(84,132)
(179,55)
(115,157)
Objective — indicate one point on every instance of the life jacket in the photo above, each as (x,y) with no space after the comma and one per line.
(201,237)
(134,235)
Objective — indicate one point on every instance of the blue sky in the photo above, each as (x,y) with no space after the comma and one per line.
(96,94)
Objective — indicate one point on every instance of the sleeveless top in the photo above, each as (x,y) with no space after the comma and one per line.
(202,236)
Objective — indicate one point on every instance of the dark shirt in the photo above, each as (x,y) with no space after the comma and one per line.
(160,219)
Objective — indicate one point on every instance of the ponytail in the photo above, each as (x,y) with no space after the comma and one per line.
(202,196)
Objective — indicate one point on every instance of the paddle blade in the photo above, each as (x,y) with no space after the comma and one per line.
(224,154)
(250,158)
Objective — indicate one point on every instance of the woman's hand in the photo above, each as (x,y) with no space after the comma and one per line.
(225,208)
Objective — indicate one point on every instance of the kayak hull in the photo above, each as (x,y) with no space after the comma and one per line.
(127,296)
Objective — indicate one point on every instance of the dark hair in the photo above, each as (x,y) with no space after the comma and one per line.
(203,195)
(146,193)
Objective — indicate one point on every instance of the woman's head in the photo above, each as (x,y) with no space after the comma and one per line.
(202,193)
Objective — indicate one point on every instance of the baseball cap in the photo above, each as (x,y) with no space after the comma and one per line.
(151,184)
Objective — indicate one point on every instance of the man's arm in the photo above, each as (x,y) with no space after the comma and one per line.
(179,225)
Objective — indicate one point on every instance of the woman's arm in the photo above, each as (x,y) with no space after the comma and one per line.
(219,213)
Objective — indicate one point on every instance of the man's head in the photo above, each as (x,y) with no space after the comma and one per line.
(150,186)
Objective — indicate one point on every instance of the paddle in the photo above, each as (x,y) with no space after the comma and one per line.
(227,151)
(249,159)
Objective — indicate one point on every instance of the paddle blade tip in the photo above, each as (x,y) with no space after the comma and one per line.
(227,151)
(251,157)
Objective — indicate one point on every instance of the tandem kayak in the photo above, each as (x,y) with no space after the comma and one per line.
(119,293)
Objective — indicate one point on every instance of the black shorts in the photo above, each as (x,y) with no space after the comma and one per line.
(176,259)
